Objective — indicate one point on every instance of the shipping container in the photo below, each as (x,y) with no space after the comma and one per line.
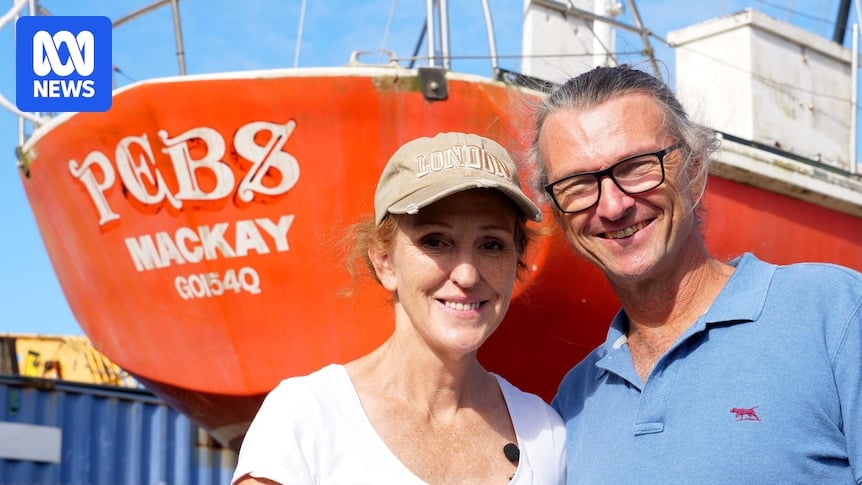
(61,432)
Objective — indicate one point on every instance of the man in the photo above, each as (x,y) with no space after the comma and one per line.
(712,372)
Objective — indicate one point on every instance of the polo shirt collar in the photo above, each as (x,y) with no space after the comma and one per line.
(743,297)
(741,300)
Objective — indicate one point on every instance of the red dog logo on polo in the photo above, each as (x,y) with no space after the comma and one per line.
(745,414)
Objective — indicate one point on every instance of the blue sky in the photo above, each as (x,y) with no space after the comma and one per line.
(231,35)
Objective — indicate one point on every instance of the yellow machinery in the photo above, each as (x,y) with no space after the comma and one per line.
(70,358)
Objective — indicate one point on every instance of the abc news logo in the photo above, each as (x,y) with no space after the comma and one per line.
(63,64)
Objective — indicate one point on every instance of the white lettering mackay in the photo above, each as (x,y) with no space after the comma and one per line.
(208,177)
(193,245)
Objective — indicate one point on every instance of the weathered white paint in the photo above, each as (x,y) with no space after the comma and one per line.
(556,46)
(786,176)
(764,80)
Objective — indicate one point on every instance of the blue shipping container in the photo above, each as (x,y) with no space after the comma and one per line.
(64,433)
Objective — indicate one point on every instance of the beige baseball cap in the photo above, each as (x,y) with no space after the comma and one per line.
(426,170)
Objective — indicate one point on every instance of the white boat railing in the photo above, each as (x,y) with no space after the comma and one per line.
(11,16)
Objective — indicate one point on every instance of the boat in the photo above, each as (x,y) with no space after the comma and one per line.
(201,245)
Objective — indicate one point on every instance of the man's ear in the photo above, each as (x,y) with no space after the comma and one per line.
(383,268)
(696,182)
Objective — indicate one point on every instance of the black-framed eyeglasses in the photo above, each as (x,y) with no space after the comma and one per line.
(634,175)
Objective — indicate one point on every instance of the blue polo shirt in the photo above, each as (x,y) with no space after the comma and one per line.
(766,387)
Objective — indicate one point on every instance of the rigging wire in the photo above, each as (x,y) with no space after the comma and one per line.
(789,12)
(792,11)
(299,34)
(388,24)
(416,57)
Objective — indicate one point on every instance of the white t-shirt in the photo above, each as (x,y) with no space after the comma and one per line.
(313,430)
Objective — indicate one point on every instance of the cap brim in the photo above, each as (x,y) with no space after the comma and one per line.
(428,195)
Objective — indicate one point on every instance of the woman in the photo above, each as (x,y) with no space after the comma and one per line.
(420,408)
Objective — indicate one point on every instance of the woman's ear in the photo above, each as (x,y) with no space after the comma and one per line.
(383,268)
